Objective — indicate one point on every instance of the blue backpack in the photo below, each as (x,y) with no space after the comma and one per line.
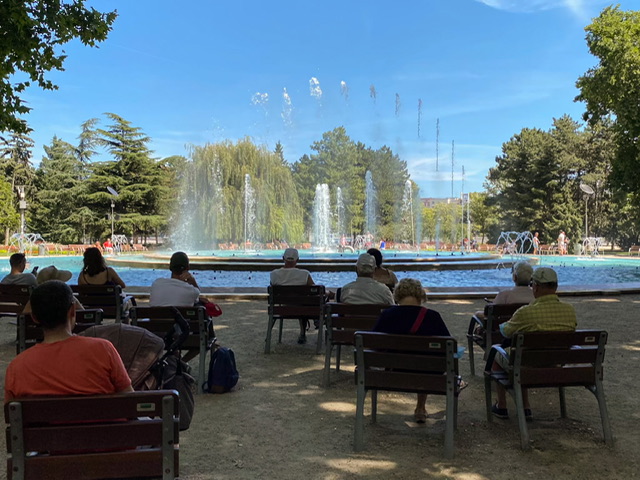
(223,374)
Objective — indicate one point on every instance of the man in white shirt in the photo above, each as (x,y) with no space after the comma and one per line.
(181,290)
(365,289)
(291,275)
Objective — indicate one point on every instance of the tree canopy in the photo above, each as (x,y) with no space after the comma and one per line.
(612,87)
(32,31)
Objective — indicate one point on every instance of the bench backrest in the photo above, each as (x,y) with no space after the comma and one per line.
(406,363)
(293,301)
(29,332)
(94,436)
(160,320)
(343,320)
(495,315)
(13,298)
(106,297)
(558,358)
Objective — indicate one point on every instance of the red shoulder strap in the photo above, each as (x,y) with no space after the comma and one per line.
(418,322)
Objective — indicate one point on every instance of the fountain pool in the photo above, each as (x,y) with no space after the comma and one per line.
(487,272)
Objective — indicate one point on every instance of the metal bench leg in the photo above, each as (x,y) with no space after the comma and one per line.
(522,421)
(326,373)
(267,342)
(563,402)
(358,442)
(280,331)
(604,414)
(320,330)
(338,354)
(487,395)
(450,424)
(374,405)
(472,365)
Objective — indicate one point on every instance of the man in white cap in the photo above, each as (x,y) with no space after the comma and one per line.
(291,275)
(545,314)
(365,289)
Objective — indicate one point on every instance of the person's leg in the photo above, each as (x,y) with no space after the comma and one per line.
(302,338)
(421,408)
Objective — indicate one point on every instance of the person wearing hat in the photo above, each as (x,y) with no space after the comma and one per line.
(545,314)
(52,273)
(18,262)
(291,275)
(181,290)
(365,289)
(63,363)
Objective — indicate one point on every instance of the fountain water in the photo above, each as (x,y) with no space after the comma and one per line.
(407,221)
(515,244)
(200,202)
(370,205)
(340,216)
(321,218)
(249,214)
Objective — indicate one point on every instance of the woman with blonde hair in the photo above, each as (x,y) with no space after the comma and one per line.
(409,316)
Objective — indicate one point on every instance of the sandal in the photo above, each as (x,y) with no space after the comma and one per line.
(420,416)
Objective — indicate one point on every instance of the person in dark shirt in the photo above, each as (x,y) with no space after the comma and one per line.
(402,319)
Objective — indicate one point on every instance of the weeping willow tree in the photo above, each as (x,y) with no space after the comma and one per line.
(211,206)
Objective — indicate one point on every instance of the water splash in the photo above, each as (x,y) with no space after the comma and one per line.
(321,218)
(200,202)
(344,91)
(287,109)
(419,115)
(372,92)
(249,213)
(407,216)
(314,89)
(370,206)
(260,100)
(398,104)
(340,215)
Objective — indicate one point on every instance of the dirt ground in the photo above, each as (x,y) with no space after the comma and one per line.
(279,423)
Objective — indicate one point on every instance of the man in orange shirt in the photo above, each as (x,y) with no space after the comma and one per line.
(63,364)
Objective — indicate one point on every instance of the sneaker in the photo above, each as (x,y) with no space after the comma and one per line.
(302,339)
(498,412)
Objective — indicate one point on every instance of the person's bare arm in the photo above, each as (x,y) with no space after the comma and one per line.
(115,278)
(129,389)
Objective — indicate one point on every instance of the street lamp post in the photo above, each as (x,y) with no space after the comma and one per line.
(114,194)
(588,192)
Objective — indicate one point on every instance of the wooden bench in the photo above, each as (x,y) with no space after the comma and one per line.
(342,320)
(85,438)
(634,249)
(160,320)
(406,363)
(13,298)
(485,332)
(29,332)
(550,360)
(108,298)
(305,302)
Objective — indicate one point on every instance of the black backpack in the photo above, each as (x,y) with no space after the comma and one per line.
(223,374)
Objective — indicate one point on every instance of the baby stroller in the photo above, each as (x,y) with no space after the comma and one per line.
(152,362)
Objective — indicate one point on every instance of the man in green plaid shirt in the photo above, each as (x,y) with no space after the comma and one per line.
(545,314)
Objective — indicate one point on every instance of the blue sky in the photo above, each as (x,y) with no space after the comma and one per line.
(203,71)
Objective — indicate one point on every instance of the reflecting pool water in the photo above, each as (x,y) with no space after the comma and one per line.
(571,271)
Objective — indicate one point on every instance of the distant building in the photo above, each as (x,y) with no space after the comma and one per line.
(432,202)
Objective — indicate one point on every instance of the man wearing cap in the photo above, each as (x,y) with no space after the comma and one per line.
(18,262)
(181,290)
(291,275)
(545,314)
(365,289)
